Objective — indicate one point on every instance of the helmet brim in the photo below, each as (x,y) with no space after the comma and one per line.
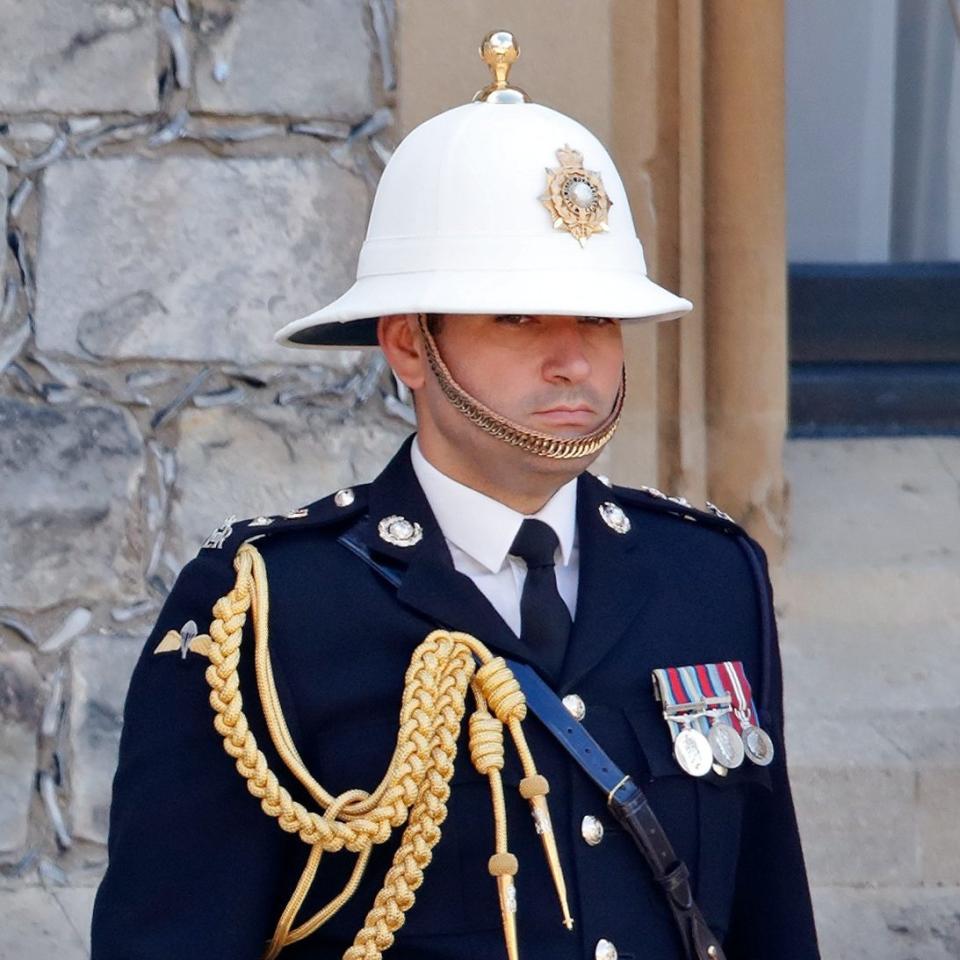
(351,320)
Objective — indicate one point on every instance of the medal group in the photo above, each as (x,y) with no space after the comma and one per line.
(712,718)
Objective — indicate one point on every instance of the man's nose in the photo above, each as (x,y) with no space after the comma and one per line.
(566,359)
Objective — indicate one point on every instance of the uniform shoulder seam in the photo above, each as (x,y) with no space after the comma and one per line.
(343,504)
(650,498)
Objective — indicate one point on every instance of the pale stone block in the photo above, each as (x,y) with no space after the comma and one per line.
(234,462)
(77,904)
(888,924)
(939,788)
(865,596)
(849,784)
(19,717)
(845,817)
(873,503)
(65,55)
(872,668)
(35,926)
(307,58)
(66,478)
(193,258)
(101,669)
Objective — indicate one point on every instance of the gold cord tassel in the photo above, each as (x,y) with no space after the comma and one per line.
(502,691)
(486,751)
(416,786)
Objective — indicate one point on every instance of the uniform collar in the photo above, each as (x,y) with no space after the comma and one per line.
(483,527)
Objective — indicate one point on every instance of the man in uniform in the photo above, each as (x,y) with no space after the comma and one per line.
(332,743)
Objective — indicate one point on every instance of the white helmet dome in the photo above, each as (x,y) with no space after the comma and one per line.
(462,223)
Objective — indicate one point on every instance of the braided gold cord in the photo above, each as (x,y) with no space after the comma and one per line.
(416,787)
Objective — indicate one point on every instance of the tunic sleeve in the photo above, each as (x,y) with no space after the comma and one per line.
(193,861)
(772,914)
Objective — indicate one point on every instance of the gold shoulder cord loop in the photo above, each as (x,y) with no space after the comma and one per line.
(416,786)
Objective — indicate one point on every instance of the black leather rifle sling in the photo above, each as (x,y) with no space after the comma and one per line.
(626,800)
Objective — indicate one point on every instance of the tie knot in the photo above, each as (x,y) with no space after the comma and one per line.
(536,543)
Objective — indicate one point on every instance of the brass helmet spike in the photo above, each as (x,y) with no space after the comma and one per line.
(499,51)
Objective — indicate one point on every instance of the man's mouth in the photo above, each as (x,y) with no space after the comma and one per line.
(564,415)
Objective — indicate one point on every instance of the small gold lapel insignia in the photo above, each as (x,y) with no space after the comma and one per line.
(260,522)
(399,531)
(297,514)
(575,197)
(185,639)
(216,539)
(614,517)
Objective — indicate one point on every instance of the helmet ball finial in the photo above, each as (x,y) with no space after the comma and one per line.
(499,50)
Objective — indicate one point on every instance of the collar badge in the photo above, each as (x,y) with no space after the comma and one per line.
(399,531)
(216,539)
(614,517)
(575,197)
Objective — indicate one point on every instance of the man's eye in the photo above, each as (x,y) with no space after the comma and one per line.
(599,321)
(514,318)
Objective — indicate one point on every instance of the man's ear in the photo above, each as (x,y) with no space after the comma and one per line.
(400,341)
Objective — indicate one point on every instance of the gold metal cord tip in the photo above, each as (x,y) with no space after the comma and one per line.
(508,913)
(499,50)
(541,818)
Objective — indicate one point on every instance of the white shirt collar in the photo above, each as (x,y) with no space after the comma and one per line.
(483,527)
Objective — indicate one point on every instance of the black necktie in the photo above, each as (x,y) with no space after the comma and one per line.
(544,617)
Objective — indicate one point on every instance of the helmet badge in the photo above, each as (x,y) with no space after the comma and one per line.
(575,197)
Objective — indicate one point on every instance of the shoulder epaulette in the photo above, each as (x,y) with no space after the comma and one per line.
(342,505)
(649,498)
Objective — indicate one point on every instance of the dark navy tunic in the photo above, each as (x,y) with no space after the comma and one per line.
(197,869)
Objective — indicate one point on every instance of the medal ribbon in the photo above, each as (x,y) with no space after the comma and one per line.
(735,682)
(691,687)
(710,683)
(668,696)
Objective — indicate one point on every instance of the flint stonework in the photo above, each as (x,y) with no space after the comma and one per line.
(19,719)
(67,475)
(296,58)
(3,224)
(192,258)
(232,462)
(68,56)
(101,674)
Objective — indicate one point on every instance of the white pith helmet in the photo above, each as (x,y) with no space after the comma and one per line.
(496,206)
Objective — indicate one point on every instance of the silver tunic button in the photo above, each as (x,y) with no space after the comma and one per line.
(591,829)
(343,498)
(575,706)
(605,950)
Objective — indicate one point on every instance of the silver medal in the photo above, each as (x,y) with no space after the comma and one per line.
(691,749)
(727,746)
(757,744)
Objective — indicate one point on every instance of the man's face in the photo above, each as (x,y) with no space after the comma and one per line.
(553,374)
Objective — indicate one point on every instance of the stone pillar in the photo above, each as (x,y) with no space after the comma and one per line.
(744,206)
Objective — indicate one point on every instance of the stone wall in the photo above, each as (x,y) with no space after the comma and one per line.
(177,180)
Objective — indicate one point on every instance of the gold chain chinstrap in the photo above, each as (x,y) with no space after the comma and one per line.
(532,441)
(416,786)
